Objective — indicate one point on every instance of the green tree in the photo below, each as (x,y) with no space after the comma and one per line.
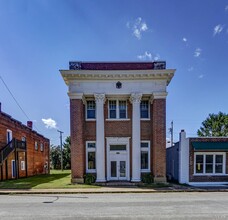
(55,155)
(214,125)
(66,154)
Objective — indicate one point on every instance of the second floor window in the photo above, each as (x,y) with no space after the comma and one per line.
(91,110)
(117,109)
(144,109)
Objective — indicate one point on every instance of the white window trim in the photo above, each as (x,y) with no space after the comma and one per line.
(146,119)
(90,119)
(204,163)
(11,135)
(117,111)
(90,150)
(145,149)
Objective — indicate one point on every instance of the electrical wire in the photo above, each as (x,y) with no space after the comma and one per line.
(16,100)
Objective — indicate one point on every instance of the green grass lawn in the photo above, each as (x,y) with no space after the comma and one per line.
(56,180)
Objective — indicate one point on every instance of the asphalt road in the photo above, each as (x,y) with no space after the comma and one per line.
(194,205)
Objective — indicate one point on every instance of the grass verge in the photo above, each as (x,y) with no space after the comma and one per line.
(57,179)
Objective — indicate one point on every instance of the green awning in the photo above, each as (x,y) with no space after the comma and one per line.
(210,145)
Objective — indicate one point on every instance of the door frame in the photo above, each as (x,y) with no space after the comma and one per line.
(117,141)
(13,168)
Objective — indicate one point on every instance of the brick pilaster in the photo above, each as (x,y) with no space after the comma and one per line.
(159,140)
(77,142)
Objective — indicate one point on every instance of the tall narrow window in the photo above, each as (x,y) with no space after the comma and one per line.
(9,136)
(112,109)
(41,147)
(218,163)
(91,157)
(122,109)
(36,145)
(91,110)
(144,109)
(145,156)
(199,164)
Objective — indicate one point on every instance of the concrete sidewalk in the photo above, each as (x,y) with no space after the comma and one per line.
(119,189)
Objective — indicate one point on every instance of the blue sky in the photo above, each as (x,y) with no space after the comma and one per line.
(39,37)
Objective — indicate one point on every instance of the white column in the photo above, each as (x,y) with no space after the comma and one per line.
(136,151)
(100,145)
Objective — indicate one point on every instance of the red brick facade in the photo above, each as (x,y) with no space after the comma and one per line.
(153,130)
(36,159)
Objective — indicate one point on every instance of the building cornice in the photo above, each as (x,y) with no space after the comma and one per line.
(88,75)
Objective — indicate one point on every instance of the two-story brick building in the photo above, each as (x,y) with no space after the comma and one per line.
(118,119)
(23,151)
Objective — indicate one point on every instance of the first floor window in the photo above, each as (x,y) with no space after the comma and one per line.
(209,163)
(145,156)
(91,157)
(22,165)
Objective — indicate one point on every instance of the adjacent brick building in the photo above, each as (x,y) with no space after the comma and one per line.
(198,160)
(118,119)
(23,152)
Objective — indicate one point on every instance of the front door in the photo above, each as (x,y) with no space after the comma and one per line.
(118,162)
(13,165)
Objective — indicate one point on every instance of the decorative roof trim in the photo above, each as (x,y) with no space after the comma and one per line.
(72,75)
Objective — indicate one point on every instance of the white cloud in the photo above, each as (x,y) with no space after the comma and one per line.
(148,56)
(218,29)
(184,39)
(138,27)
(197,52)
(190,69)
(201,76)
(49,123)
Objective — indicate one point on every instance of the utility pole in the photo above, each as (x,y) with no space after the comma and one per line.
(171,132)
(61,145)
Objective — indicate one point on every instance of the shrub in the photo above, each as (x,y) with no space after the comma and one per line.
(89,178)
(147,178)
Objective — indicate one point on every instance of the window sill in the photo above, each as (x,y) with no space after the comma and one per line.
(91,119)
(145,171)
(117,119)
(210,174)
(144,119)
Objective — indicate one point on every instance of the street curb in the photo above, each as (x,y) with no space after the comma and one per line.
(110,192)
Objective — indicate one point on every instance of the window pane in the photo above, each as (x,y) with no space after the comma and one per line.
(91,145)
(219,158)
(117,147)
(113,169)
(112,109)
(91,160)
(209,164)
(91,109)
(218,168)
(144,109)
(199,164)
(144,144)
(209,159)
(144,160)
(122,109)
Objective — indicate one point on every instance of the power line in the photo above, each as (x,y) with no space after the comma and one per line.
(16,100)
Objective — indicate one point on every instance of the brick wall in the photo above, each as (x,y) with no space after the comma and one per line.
(77,125)
(36,159)
(206,178)
(153,130)
(159,140)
